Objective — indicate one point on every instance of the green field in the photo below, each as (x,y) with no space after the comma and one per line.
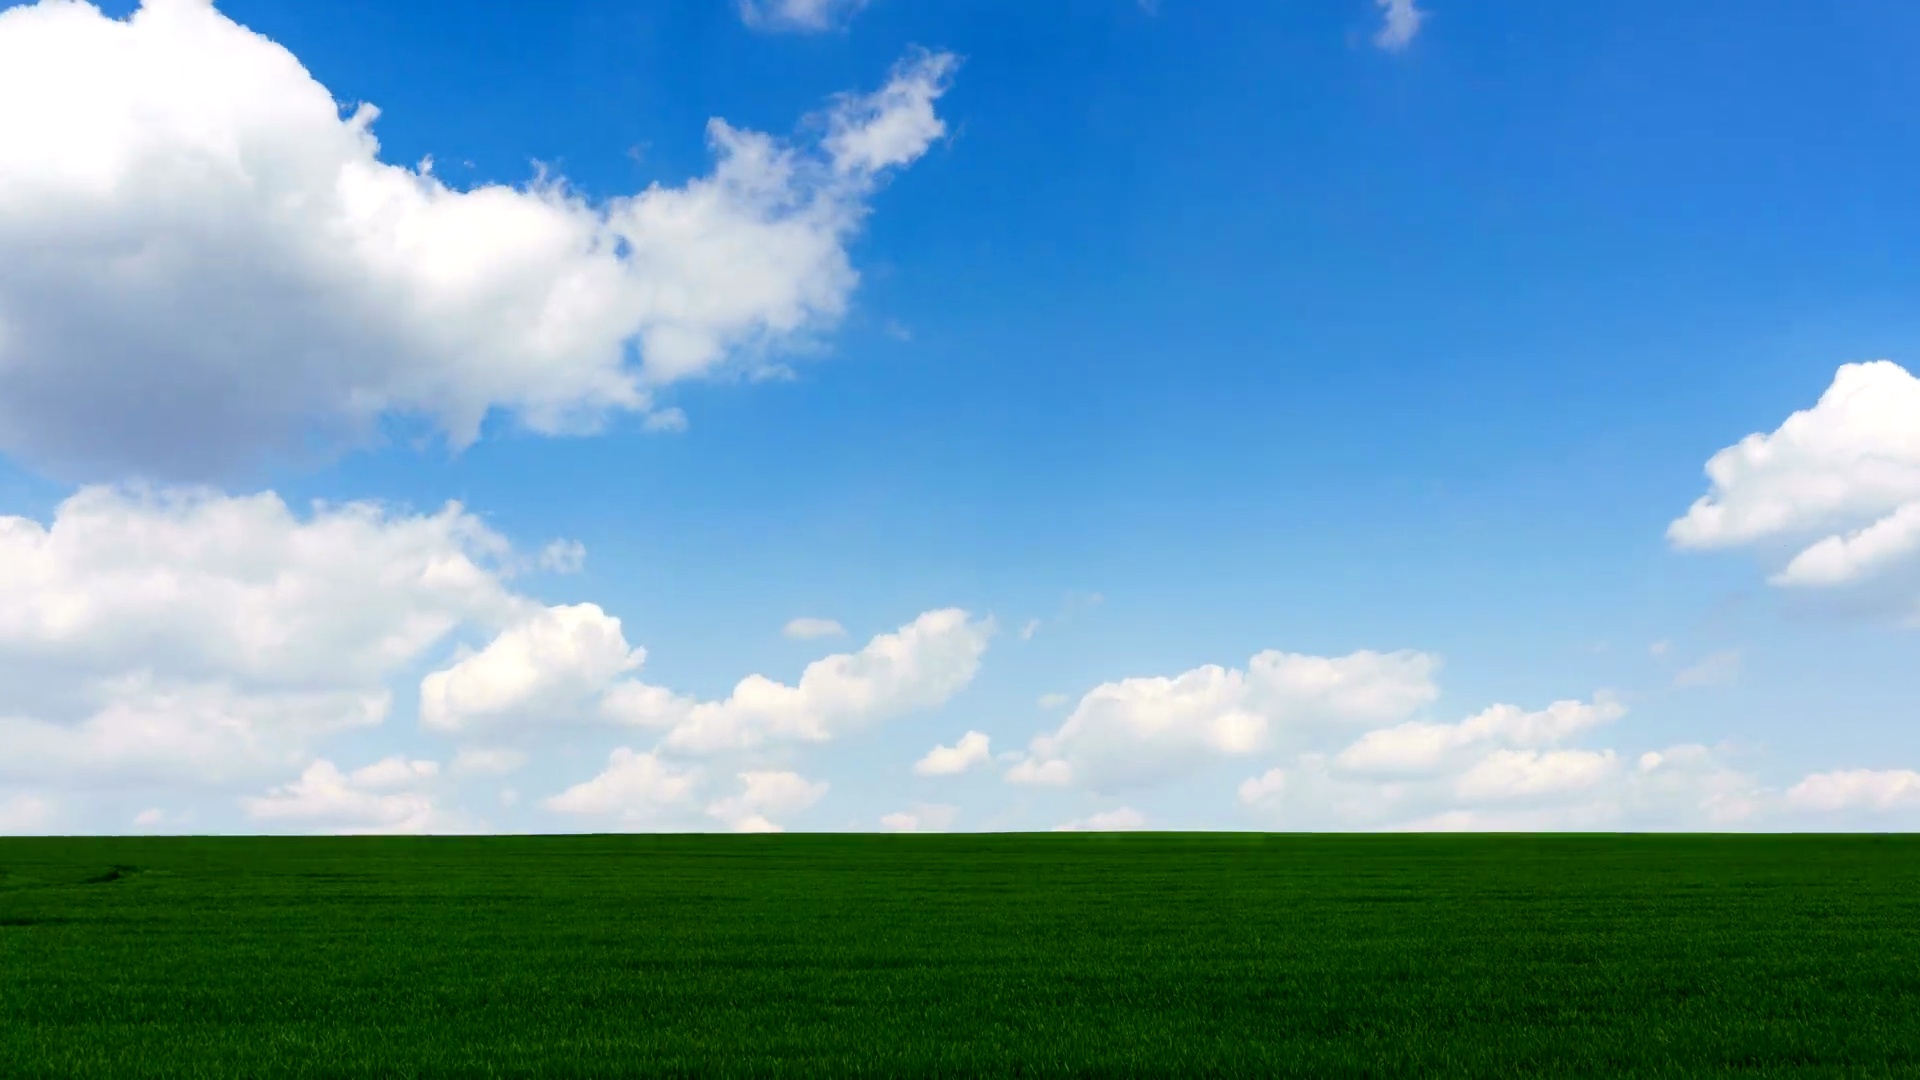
(1130,955)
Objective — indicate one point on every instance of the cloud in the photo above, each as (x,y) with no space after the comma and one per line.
(799,16)
(1839,481)
(1417,748)
(920,666)
(1714,669)
(1263,788)
(1836,560)
(202,584)
(1400,24)
(25,815)
(206,261)
(1521,774)
(572,665)
(133,731)
(1053,701)
(1856,789)
(563,556)
(635,789)
(1142,731)
(364,801)
(924,817)
(1495,785)
(767,793)
(971,750)
(810,629)
(550,666)
(188,637)
(1121,820)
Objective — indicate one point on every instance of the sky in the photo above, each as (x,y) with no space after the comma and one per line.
(868,415)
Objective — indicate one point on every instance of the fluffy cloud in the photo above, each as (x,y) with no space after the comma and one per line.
(1143,730)
(1522,774)
(191,636)
(924,817)
(766,793)
(1856,789)
(919,666)
(809,629)
(201,584)
(205,259)
(1499,786)
(1417,748)
(971,750)
(203,734)
(1121,820)
(1839,483)
(635,789)
(364,801)
(549,666)
(572,664)
(801,16)
(1399,23)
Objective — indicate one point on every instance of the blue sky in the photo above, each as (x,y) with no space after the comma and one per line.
(1084,352)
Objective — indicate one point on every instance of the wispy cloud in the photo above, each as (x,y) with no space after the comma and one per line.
(1400,24)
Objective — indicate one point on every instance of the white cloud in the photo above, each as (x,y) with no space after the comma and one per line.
(1856,789)
(801,16)
(205,260)
(634,788)
(1506,768)
(189,637)
(1836,560)
(971,750)
(1121,820)
(810,629)
(1418,748)
(1144,730)
(1520,774)
(566,665)
(393,772)
(550,666)
(919,666)
(132,730)
(151,818)
(202,584)
(1687,784)
(1714,669)
(1028,629)
(1267,786)
(767,793)
(1839,481)
(362,802)
(1053,701)
(563,556)
(25,814)
(924,817)
(1399,23)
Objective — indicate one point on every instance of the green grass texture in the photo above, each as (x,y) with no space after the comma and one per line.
(961,955)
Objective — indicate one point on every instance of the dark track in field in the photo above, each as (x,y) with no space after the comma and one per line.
(844,955)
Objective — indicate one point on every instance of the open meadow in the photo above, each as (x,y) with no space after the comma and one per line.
(862,955)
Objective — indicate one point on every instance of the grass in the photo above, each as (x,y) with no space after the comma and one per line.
(1138,955)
